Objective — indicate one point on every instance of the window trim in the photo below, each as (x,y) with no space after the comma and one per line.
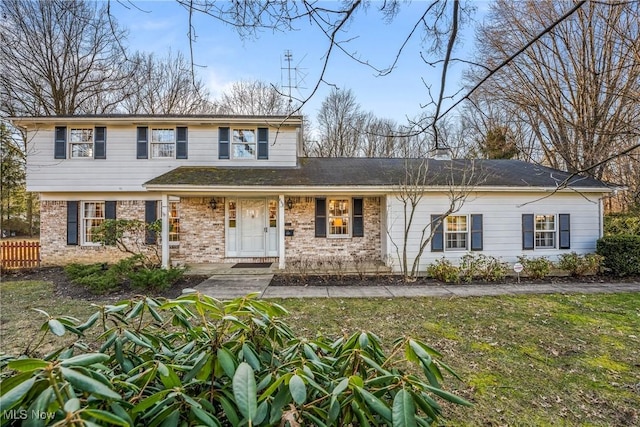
(72,143)
(466,232)
(83,219)
(232,144)
(152,143)
(349,217)
(536,231)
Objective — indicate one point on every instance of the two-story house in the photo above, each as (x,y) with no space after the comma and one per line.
(234,188)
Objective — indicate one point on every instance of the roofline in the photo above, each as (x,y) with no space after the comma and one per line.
(357,189)
(144,119)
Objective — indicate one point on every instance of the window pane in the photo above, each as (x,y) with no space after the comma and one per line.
(545,222)
(232,214)
(81,143)
(456,240)
(457,223)
(163,143)
(338,217)
(456,232)
(93,217)
(244,151)
(174,222)
(244,136)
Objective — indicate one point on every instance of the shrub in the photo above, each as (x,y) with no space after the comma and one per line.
(154,278)
(536,268)
(480,266)
(101,278)
(580,265)
(196,360)
(621,254)
(617,224)
(444,271)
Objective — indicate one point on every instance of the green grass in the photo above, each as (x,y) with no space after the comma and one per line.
(524,360)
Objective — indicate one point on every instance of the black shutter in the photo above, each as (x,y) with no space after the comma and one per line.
(263,143)
(181,143)
(110,210)
(358,217)
(142,150)
(223,143)
(528,231)
(60,146)
(72,223)
(321,217)
(100,143)
(565,231)
(437,240)
(150,216)
(476,232)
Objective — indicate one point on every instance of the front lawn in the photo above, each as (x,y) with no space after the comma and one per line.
(524,360)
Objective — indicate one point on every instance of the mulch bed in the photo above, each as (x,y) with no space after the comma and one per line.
(64,287)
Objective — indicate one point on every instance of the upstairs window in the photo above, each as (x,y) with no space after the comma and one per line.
(163,143)
(243,145)
(81,143)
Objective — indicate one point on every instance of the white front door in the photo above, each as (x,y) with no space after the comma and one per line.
(253,228)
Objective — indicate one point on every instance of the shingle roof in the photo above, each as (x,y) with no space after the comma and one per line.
(347,172)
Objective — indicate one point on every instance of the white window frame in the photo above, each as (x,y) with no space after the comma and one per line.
(553,232)
(81,137)
(466,232)
(156,142)
(332,217)
(239,134)
(85,228)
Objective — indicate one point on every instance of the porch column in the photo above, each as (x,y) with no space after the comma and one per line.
(281,261)
(164,213)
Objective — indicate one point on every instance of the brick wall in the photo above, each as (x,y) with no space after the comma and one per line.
(202,232)
(304,244)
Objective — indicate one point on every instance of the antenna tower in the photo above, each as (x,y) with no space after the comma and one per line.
(294,76)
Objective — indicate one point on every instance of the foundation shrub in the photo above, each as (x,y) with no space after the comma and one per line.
(536,268)
(444,271)
(580,265)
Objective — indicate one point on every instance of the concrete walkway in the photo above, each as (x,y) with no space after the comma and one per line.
(226,286)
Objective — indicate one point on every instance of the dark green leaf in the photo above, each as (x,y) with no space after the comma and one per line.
(88,384)
(376,404)
(85,359)
(24,365)
(56,327)
(13,396)
(105,416)
(244,391)
(298,389)
(404,410)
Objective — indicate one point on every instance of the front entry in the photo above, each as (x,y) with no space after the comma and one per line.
(251,227)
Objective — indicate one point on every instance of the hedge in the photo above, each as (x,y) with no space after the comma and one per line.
(621,254)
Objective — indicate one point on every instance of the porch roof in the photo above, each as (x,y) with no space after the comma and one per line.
(342,172)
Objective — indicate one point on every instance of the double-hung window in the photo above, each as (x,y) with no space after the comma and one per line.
(545,234)
(93,215)
(456,232)
(81,143)
(338,217)
(163,143)
(243,144)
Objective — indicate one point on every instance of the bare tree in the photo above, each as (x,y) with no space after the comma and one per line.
(164,86)
(575,86)
(339,125)
(252,98)
(458,178)
(59,57)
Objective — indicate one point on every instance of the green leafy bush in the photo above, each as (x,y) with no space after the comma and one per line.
(444,271)
(580,265)
(101,278)
(154,278)
(536,268)
(621,254)
(197,361)
(617,224)
(483,267)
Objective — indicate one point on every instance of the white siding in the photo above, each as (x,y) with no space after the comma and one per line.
(121,171)
(502,223)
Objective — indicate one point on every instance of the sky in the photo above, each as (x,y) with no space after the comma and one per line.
(223,56)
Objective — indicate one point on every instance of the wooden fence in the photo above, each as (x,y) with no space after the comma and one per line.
(20,254)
